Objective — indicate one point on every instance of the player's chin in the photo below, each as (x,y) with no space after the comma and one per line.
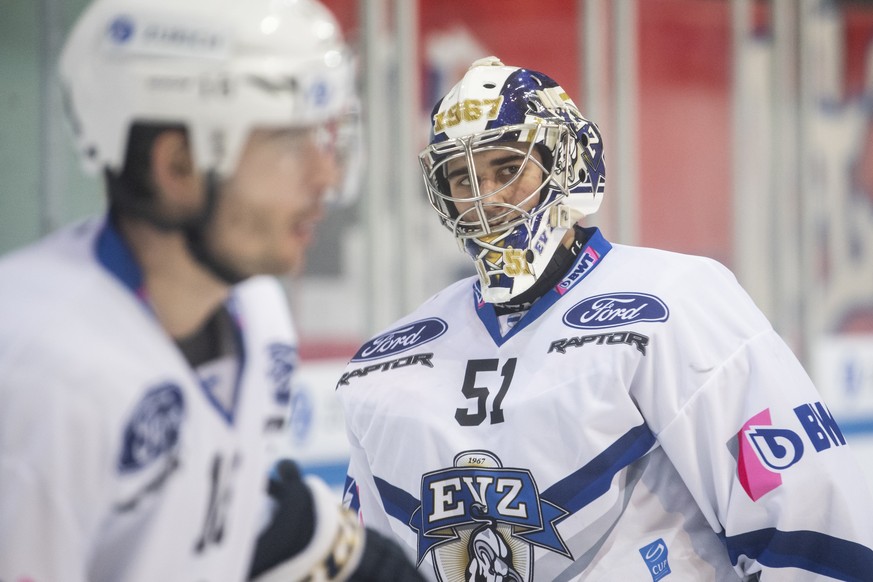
(297,268)
(290,262)
(280,263)
(283,255)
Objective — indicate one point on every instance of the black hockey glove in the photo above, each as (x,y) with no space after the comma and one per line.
(312,537)
(384,560)
(293,521)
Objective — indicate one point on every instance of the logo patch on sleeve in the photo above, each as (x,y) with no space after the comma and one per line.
(153,428)
(765,451)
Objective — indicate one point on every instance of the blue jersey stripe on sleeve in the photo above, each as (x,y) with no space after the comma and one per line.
(808,550)
(398,503)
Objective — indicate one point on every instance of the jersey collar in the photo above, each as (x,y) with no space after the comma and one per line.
(116,257)
(589,257)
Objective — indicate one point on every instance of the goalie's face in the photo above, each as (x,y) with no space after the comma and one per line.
(502,185)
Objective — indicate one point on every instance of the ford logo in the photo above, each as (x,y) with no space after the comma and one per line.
(616,309)
(153,428)
(401,339)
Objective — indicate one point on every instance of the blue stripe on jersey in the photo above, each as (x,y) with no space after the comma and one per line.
(398,503)
(593,480)
(115,256)
(807,550)
(350,494)
(595,248)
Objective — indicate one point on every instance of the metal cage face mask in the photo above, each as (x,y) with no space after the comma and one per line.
(497,191)
(486,184)
(511,167)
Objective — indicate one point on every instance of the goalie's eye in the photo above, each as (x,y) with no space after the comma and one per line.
(459,182)
(493,170)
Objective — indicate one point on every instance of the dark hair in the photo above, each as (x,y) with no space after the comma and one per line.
(131,191)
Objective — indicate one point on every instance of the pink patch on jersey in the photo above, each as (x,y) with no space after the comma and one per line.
(590,257)
(756,479)
(480,301)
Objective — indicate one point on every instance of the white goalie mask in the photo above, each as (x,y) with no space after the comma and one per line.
(512,166)
(218,67)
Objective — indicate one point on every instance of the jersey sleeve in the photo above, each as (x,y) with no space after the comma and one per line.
(361,493)
(764,458)
(265,310)
(52,479)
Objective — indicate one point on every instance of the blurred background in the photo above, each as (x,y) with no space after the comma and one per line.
(737,129)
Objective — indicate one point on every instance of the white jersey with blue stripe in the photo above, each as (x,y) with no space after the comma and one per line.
(118,462)
(642,421)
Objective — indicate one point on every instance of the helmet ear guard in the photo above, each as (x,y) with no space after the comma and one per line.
(492,107)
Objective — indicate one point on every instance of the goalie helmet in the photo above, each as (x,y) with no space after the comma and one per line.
(497,111)
(218,67)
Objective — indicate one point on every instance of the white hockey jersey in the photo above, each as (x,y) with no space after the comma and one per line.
(117,462)
(642,421)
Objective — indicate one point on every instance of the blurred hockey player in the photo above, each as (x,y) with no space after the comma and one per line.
(616,412)
(145,355)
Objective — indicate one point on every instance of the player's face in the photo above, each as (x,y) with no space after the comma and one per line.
(503,179)
(267,211)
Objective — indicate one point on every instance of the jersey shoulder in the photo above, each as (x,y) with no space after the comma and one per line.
(263,300)
(441,305)
(53,286)
(694,284)
(667,268)
(428,322)
(68,322)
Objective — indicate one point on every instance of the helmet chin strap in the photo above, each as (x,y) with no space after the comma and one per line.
(195,236)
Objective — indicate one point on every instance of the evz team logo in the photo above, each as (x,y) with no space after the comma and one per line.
(401,339)
(614,309)
(481,520)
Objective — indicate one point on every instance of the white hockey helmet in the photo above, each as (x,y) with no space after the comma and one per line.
(500,108)
(218,67)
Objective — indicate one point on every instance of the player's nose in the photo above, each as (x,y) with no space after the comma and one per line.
(489,186)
